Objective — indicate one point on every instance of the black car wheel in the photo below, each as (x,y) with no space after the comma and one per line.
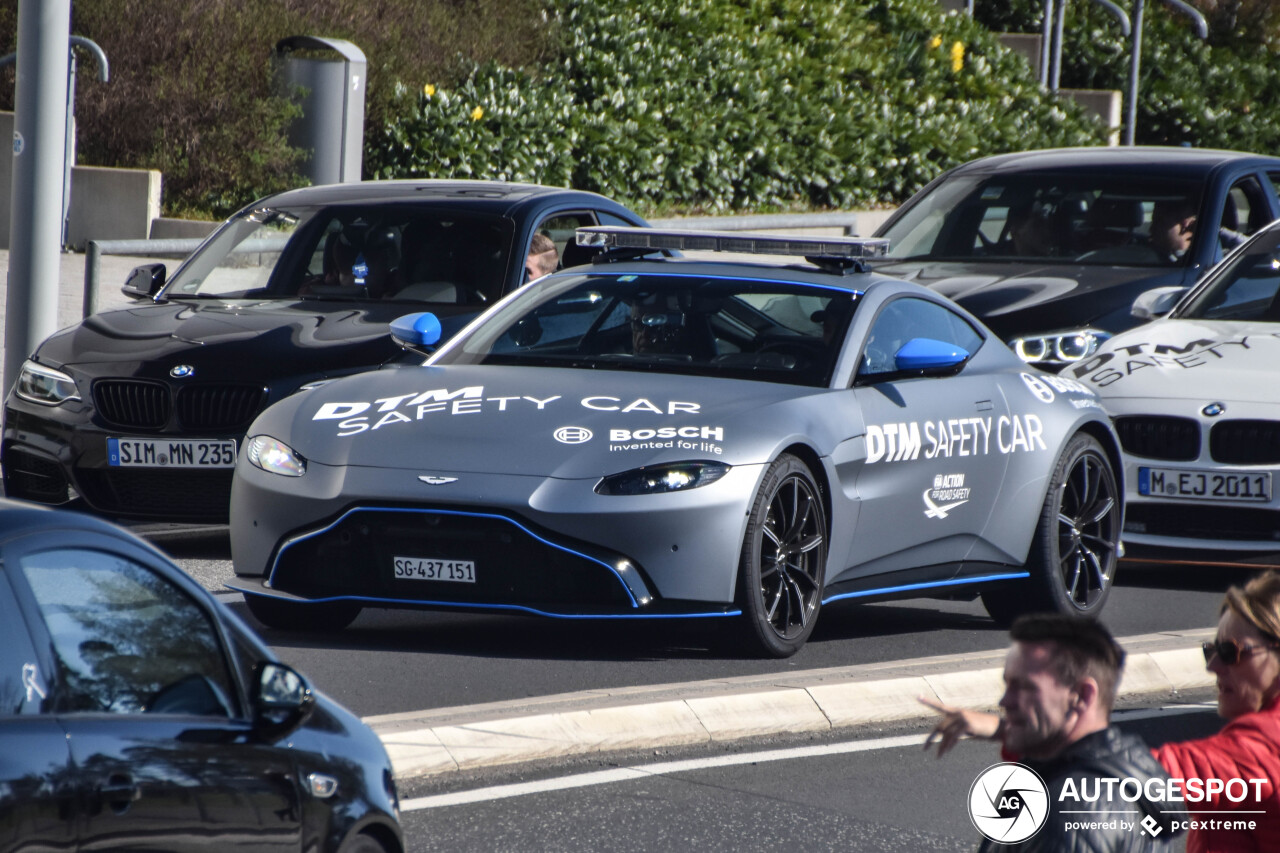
(1073,557)
(780,572)
(290,616)
(362,843)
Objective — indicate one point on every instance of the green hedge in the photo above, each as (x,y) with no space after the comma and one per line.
(712,105)
(1214,93)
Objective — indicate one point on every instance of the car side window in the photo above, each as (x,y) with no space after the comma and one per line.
(24,686)
(905,319)
(126,640)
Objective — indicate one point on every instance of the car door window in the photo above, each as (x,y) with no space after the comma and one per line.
(905,319)
(24,685)
(126,639)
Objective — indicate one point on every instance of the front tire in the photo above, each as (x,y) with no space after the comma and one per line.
(1073,557)
(294,616)
(783,562)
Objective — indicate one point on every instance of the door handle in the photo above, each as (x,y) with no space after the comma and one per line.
(119,792)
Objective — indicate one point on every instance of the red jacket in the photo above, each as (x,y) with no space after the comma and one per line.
(1248,747)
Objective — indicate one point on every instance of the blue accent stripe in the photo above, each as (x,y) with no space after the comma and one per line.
(510,521)
(518,608)
(929,585)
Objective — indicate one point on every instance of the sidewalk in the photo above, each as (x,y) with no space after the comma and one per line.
(112,271)
(851,700)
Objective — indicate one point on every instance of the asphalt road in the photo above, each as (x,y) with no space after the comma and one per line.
(826,793)
(396,660)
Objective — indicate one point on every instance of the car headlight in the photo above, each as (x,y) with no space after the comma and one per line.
(660,479)
(44,385)
(274,456)
(1059,347)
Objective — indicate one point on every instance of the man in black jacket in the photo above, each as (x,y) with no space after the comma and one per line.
(1105,791)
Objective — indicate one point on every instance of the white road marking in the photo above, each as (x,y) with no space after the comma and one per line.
(645,771)
(665,768)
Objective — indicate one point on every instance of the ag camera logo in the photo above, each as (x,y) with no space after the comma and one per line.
(572,435)
(1008,803)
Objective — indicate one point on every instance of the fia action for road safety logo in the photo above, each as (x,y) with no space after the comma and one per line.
(1008,803)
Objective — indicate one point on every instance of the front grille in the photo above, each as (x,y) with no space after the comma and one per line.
(142,404)
(218,407)
(132,403)
(34,478)
(176,494)
(512,566)
(1203,521)
(1159,437)
(1245,442)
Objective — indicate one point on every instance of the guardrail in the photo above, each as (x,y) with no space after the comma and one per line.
(851,223)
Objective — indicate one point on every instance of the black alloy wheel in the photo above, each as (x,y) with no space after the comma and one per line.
(1074,556)
(783,561)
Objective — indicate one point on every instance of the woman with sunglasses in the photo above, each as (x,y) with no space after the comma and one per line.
(1245,657)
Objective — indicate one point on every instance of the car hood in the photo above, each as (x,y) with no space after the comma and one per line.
(1202,360)
(1016,299)
(547,422)
(233,339)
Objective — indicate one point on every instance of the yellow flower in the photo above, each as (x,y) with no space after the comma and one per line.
(957,56)
(935,42)
(477,114)
(428,90)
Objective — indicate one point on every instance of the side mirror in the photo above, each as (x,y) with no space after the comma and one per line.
(930,356)
(417,332)
(145,281)
(282,700)
(1157,302)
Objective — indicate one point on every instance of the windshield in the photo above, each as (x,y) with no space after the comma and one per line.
(352,252)
(1245,287)
(1056,218)
(668,323)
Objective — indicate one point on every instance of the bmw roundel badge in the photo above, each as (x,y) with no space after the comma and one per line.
(182,371)
(1213,410)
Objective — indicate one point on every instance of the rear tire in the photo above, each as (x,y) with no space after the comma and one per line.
(1073,557)
(783,562)
(294,616)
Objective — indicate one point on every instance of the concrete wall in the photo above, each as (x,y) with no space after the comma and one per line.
(106,204)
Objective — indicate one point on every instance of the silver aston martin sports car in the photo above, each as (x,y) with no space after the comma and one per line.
(656,438)
(1195,404)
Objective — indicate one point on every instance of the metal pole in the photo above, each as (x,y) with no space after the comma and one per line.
(39,152)
(1059,19)
(69,157)
(1135,60)
(1046,42)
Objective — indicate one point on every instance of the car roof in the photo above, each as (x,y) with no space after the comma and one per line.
(1146,158)
(499,196)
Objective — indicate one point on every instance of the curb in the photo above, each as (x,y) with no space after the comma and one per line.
(431,743)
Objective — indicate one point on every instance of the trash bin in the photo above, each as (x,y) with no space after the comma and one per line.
(330,91)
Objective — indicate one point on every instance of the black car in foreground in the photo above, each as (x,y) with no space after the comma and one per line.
(138,713)
(139,412)
(1050,248)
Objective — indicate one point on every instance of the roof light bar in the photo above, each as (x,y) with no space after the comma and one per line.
(618,237)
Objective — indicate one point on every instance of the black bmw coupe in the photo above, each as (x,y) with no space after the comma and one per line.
(139,412)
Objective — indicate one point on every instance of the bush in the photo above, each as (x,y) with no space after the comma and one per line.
(715,106)
(1210,94)
(190,87)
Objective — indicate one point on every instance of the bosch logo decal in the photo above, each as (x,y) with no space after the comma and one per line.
(572,435)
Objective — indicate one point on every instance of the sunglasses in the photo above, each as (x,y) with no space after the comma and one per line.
(1231,652)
